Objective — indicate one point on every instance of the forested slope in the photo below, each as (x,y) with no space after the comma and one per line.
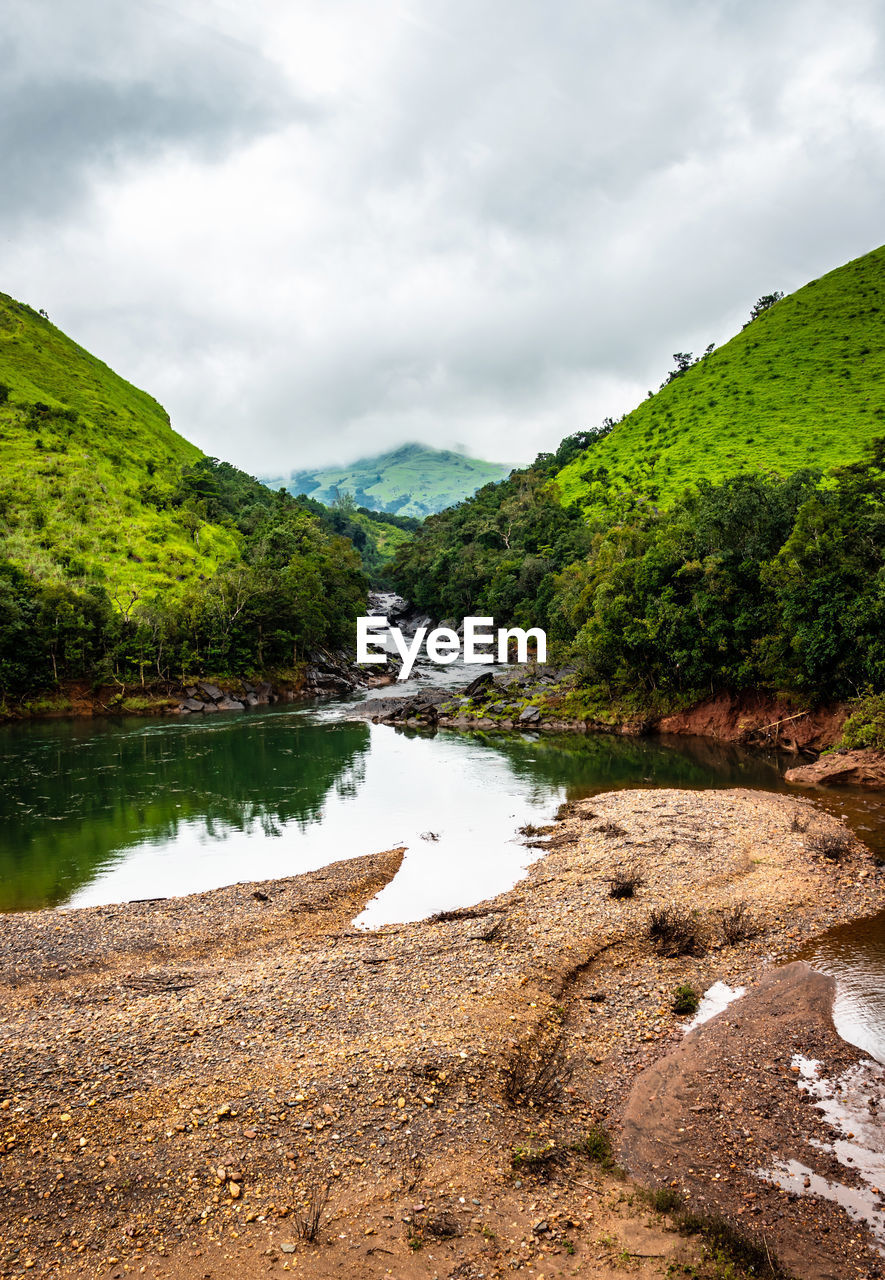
(126,554)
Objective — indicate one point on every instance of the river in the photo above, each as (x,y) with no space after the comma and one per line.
(102,811)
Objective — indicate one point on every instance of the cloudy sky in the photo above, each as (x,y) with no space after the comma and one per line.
(318,228)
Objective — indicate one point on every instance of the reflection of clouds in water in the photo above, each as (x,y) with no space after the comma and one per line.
(849,1103)
(174,807)
(381,798)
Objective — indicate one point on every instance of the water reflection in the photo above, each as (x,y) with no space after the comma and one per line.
(854,954)
(101,811)
(77,797)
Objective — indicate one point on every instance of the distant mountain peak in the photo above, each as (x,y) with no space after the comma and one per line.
(410,480)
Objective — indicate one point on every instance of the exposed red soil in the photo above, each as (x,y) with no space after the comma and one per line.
(725,1104)
(759,718)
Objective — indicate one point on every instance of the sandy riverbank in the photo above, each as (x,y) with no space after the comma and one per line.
(178,1075)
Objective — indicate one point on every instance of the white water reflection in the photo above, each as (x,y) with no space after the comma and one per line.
(849,1104)
(474,797)
(714,1000)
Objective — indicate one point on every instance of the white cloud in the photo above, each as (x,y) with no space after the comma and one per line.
(356,224)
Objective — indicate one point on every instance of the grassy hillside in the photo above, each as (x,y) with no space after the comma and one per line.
(88,467)
(385,538)
(802,385)
(413,480)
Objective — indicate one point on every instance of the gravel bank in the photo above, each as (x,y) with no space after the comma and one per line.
(177,1076)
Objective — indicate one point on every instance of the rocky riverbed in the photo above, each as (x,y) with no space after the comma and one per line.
(554,699)
(182,1078)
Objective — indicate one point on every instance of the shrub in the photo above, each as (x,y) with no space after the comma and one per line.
(753,1256)
(309,1219)
(685,1000)
(832,845)
(738,923)
(536,1072)
(674,932)
(865,727)
(665,1199)
(624,882)
(596,1145)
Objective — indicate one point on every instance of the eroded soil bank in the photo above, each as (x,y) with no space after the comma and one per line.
(731,1117)
(179,1076)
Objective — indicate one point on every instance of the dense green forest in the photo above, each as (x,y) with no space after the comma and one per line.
(758,580)
(294,587)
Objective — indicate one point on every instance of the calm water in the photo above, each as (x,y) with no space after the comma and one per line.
(105,811)
(854,954)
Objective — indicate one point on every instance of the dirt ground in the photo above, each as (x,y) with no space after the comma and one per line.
(178,1078)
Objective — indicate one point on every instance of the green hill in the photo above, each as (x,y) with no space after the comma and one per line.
(802,385)
(413,480)
(89,468)
(128,557)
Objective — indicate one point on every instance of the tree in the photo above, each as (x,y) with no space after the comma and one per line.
(763,304)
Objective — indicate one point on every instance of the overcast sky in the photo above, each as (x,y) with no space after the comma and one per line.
(318,228)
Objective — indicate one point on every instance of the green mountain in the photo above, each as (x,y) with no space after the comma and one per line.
(801,385)
(89,468)
(413,480)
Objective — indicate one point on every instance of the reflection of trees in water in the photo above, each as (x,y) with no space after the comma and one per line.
(586,763)
(72,794)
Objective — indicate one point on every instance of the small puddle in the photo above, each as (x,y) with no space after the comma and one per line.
(850,1104)
(713,1001)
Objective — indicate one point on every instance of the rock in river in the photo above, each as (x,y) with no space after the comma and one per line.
(843,768)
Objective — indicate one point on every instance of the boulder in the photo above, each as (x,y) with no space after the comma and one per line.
(861,768)
(481,687)
(212,692)
(529,715)
(190,704)
(230,704)
(336,683)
